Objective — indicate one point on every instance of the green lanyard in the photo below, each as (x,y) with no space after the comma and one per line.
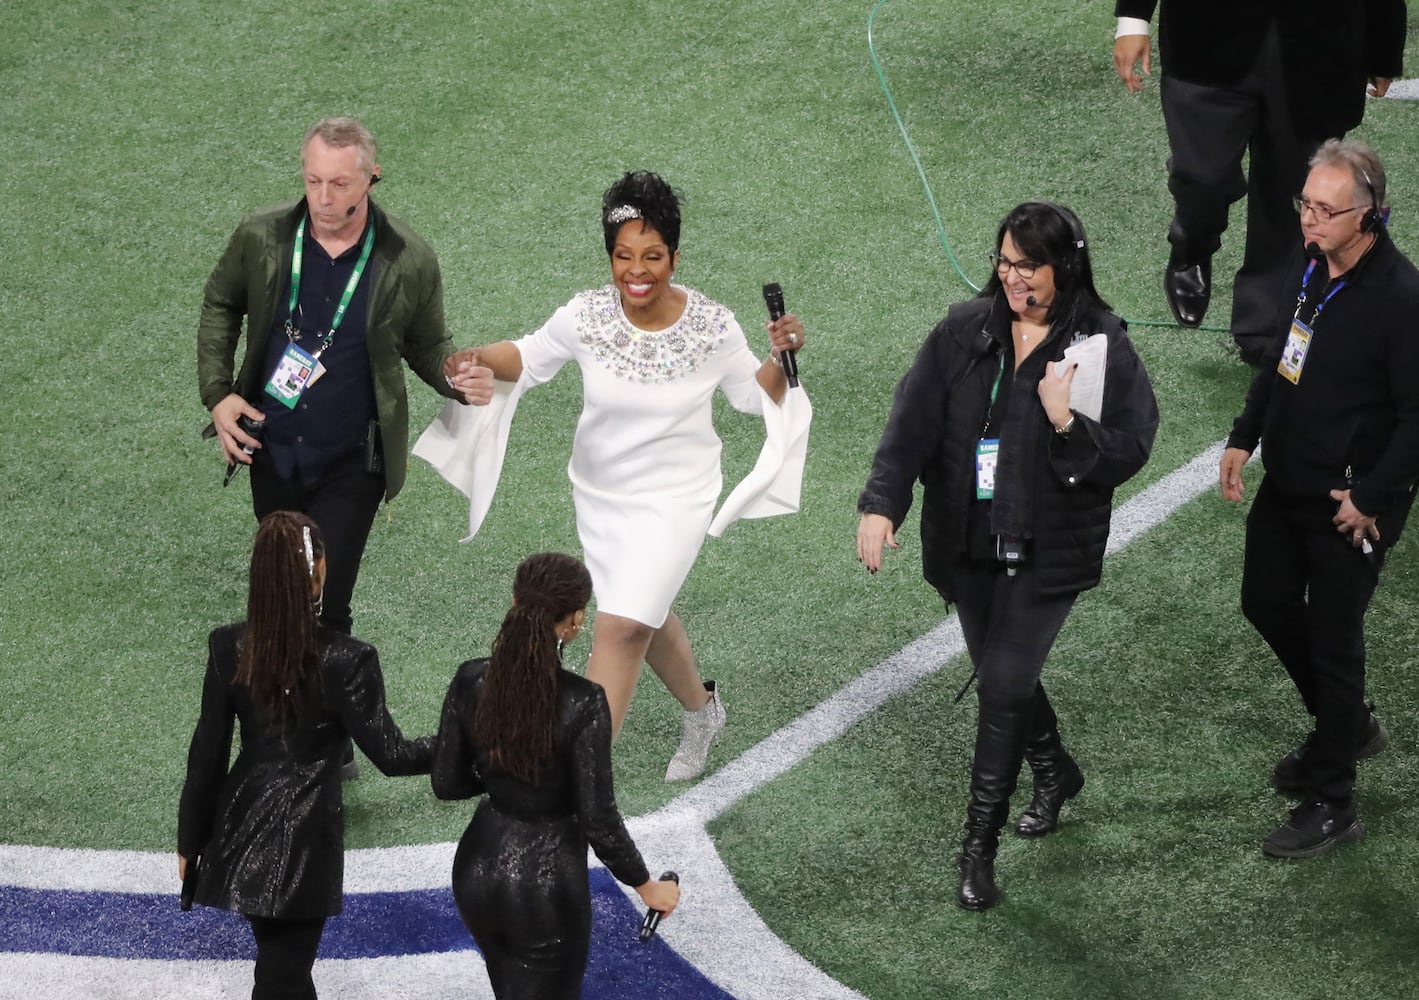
(994,390)
(344,299)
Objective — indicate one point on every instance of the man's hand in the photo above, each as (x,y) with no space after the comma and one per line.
(1230,473)
(1129,52)
(224,417)
(1349,521)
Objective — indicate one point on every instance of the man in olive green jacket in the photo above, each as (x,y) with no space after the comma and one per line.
(334,292)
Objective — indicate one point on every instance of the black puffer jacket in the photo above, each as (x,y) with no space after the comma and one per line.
(937,418)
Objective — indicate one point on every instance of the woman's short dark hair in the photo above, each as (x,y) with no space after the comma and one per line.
(1047,233)
(642,195)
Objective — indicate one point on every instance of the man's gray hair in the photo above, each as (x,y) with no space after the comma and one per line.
(1362,162)
(342,133)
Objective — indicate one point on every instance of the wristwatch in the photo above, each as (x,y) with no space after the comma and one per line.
(1068,426)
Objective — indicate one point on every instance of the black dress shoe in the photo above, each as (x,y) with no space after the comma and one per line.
(1313,828)
(1291,773)
(1189,288)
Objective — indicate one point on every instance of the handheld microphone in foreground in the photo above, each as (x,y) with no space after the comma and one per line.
(1313,250)
(652,916)
(773,298)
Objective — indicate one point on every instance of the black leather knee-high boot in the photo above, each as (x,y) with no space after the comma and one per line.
(1001,731)
(1057,775)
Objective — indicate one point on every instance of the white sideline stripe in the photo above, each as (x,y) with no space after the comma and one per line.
(715,927)
(1403,90)
(452,976)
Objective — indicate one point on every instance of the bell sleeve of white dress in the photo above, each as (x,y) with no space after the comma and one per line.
(466,444)
(775,484)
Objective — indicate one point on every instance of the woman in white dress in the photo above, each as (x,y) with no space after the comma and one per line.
(645,468)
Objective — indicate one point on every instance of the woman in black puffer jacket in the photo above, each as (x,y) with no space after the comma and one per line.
(1018,472)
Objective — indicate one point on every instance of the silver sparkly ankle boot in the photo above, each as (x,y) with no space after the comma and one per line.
(697,732)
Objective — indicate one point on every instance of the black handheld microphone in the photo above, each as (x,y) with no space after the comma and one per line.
(773,298)
(1313,250)
(652,916)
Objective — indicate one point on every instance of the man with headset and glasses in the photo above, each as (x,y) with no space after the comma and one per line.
(1336,404)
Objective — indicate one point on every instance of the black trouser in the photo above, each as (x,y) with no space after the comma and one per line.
(1305,588)
(1210,128)
(343,502)
(1009,628)
(285,953)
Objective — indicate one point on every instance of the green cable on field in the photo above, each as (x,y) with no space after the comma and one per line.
(926,185)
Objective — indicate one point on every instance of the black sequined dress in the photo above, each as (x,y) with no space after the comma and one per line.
(519,874)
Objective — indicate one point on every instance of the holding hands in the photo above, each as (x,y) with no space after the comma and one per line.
(466,374)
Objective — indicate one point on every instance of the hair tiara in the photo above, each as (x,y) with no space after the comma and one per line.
(623,213)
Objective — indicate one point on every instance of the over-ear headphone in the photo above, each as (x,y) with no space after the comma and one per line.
(1074,260)
(1374,216)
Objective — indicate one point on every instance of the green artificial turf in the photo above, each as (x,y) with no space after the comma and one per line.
(136,135)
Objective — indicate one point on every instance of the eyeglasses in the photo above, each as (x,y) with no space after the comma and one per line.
(1322,212)
(1024,268)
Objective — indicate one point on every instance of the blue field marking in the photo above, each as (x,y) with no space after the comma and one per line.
(373,925)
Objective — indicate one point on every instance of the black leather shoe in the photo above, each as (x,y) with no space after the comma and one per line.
(1189,288)
(1291,774)
(1313,828)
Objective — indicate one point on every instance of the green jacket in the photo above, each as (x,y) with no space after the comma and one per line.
(405,319)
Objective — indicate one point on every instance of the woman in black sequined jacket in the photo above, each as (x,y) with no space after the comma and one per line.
(537,739)
(269,832)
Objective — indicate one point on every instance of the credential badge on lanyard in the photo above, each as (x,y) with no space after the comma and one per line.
(298,368)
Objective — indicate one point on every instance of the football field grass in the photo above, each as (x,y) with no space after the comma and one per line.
(136,135)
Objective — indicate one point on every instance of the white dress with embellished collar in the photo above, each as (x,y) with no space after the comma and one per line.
(644,469)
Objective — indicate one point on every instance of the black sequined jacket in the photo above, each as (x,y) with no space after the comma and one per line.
(271,830)
(578,781)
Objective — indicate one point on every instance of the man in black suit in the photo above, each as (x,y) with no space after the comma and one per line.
(1272,78)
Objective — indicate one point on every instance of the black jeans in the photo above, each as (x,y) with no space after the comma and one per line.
(1210,129)
(343,502)
(1305,588)
(1009,629)
(285,953)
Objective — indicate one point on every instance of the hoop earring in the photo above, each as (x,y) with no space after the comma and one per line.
(319,603)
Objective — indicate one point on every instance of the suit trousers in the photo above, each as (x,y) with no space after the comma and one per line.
(1305,588)
(1210,129)
(342,502)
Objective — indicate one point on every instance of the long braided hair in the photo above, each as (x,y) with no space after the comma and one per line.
(517,711)
(280,643)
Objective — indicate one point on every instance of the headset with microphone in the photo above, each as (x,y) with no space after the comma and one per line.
(374,179)
(1376,215)
(1071,262)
